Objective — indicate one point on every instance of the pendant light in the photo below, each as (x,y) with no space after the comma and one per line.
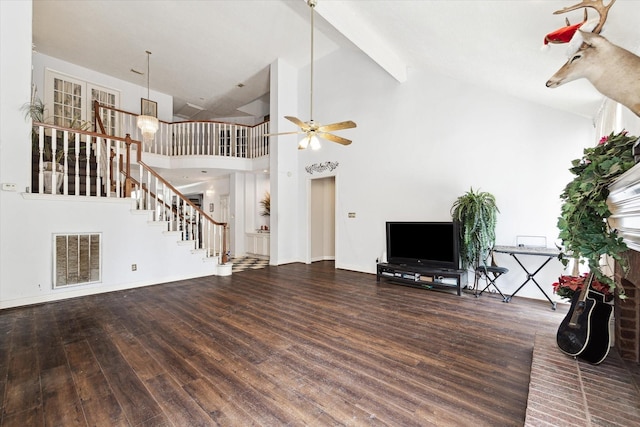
(147,124)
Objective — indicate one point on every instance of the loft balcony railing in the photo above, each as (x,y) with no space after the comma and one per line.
(190,138)
(80,163)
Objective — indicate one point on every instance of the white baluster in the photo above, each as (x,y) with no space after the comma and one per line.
(65,157)
(139,194)
(100,168)
(40,160)
(156,198)
(107,157)
(88,167)
(76,149)
(192,139)
(54,155)
(148,192)
(118,177)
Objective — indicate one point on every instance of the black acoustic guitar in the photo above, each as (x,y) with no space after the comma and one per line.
(599,341)
(584,332)
(573,333)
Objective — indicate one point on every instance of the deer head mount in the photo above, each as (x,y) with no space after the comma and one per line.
(612,70)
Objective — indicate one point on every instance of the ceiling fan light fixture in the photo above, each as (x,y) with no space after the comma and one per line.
(314,142)
(309,141)
(304,143)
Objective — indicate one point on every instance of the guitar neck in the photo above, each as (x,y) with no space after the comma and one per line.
(579,307)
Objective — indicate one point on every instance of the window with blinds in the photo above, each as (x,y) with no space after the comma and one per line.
(76,259)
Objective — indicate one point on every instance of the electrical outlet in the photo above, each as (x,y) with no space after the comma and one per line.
(134,267)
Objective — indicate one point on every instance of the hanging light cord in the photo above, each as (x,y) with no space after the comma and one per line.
(148,71)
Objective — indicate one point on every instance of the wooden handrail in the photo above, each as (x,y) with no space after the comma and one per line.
(171,123)
(80,131)
(149,169)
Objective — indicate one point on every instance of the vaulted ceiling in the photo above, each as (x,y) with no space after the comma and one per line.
(215,55)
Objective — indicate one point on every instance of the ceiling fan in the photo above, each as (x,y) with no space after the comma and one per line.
(311,129)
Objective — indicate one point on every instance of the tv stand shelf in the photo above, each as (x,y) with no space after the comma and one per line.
(422,277)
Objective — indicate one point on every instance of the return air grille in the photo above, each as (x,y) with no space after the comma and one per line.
(76,259)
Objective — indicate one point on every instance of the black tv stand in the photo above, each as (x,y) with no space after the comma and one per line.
(422,276)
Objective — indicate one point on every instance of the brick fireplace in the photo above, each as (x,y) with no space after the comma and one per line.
(627,312)
(624,203)
(568,391)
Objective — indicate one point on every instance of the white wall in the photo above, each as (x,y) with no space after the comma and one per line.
(15,149)
(127,239)
(283,167)
(421,144)
(28,222)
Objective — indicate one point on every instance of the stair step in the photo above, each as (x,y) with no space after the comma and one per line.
(162,224)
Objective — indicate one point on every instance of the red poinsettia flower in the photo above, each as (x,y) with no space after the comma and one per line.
(566,286)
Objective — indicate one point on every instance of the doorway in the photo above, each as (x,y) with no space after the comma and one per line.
(322,229)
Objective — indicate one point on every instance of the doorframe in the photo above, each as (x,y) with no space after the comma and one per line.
(335,216)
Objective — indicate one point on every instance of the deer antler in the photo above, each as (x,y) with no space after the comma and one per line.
(598,5)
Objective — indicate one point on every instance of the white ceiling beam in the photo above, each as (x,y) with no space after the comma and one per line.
(344,20)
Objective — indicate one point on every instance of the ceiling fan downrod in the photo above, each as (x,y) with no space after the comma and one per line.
(312,5)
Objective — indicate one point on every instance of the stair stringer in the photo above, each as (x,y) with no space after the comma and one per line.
(185,252)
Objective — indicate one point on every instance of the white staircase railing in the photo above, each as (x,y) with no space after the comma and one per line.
(193,138)
(80,163)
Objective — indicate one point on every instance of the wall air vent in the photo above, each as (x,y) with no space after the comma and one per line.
(76,259)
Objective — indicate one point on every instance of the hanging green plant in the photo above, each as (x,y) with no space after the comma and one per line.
(477,214)
(584,229)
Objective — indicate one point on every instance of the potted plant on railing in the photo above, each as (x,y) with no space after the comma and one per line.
(52,164)
(584,231)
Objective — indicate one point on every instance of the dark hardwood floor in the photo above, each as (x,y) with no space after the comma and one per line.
(289,345)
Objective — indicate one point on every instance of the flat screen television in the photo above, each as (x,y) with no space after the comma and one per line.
(428,244)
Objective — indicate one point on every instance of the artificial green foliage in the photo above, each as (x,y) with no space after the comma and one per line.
(266,204)
(477,213)
(584,230)
(34,110)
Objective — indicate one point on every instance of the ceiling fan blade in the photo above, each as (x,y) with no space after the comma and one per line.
(337,126)
(334,138)
(302,125)
(282,133)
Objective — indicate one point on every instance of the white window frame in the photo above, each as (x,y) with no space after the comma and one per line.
(87,101)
